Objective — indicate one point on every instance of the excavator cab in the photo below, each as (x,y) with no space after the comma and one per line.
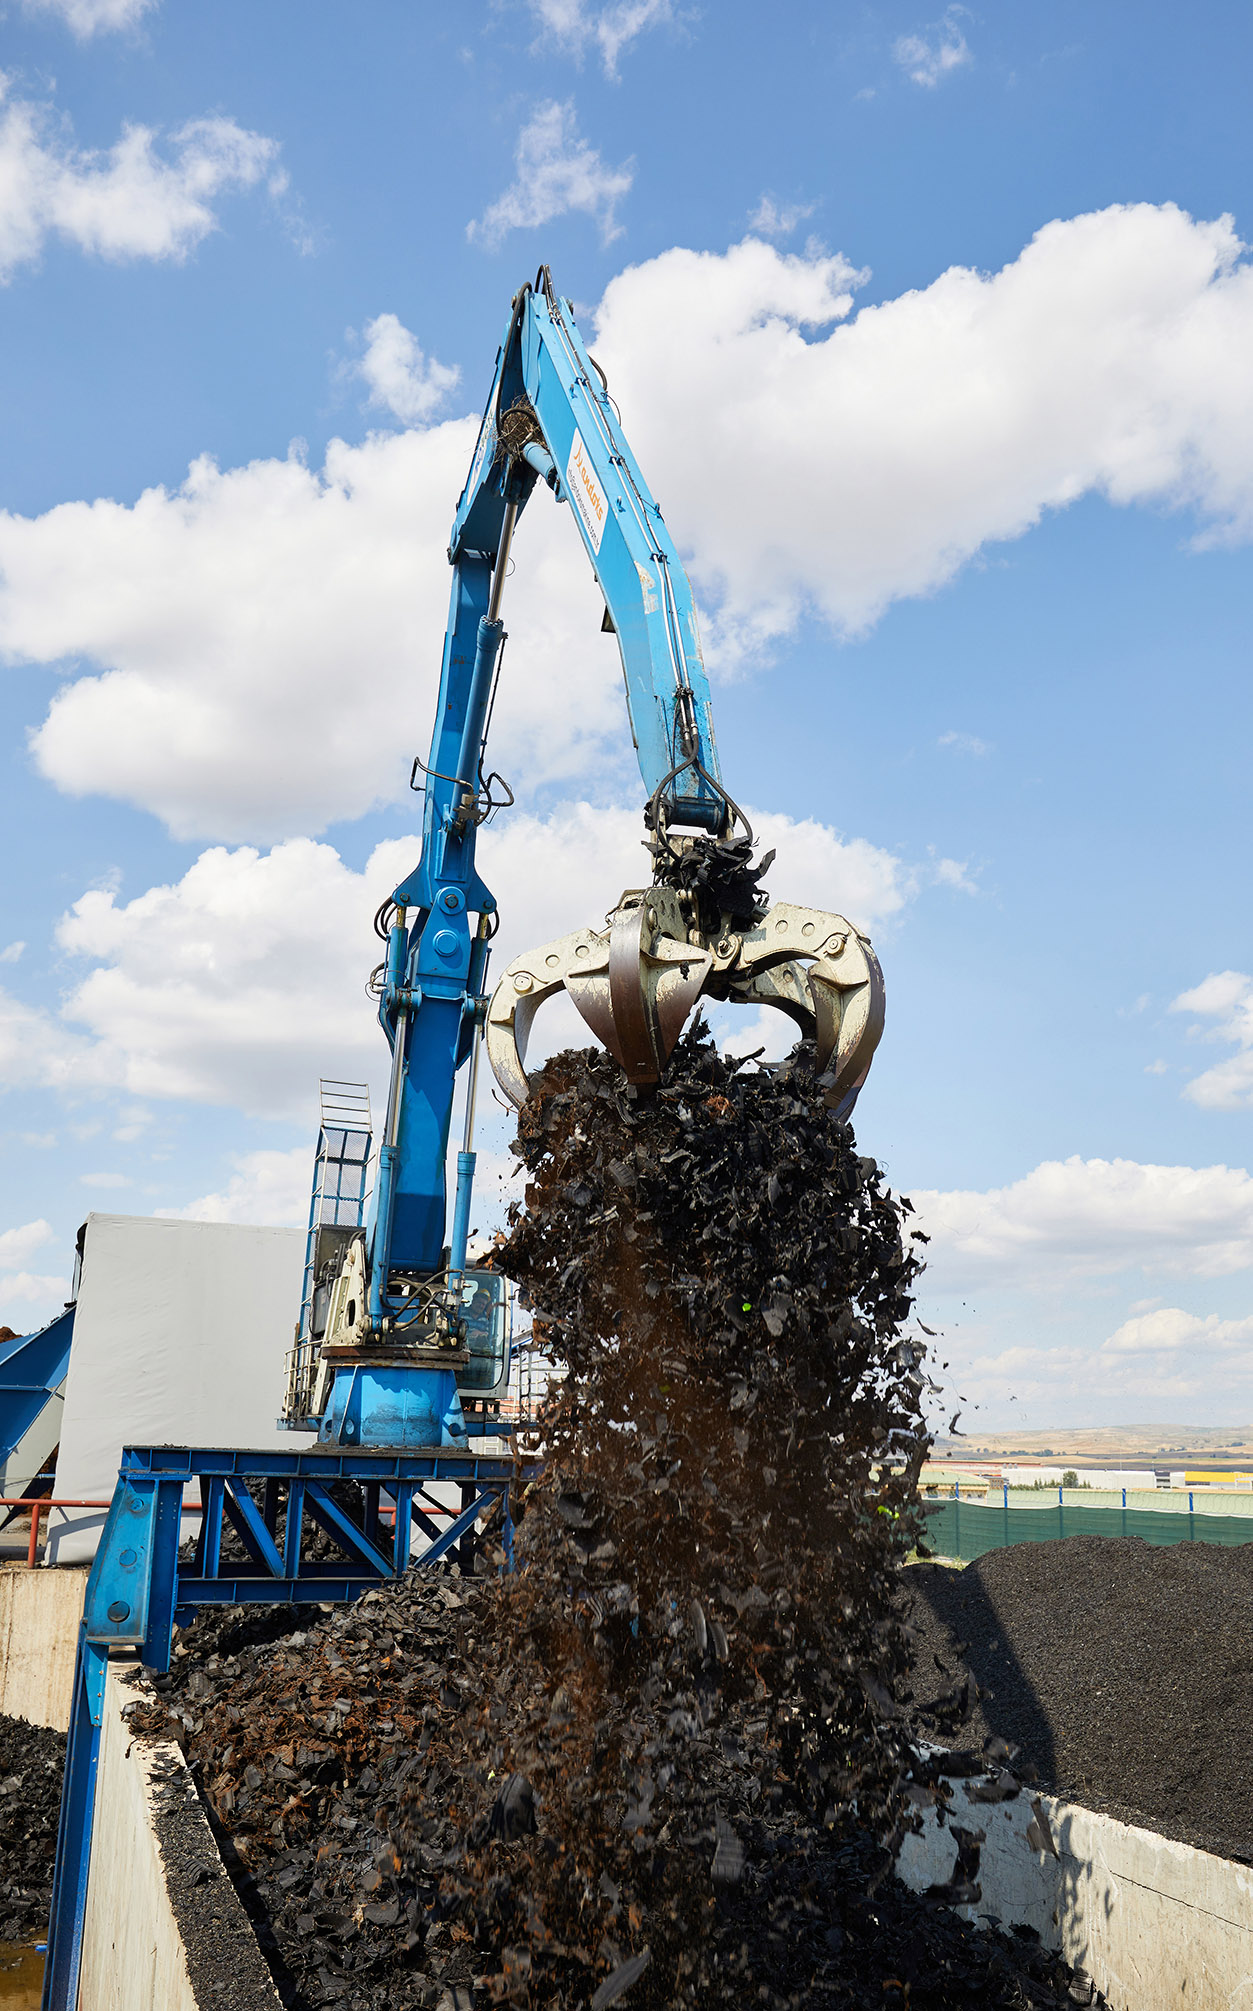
(486,1321)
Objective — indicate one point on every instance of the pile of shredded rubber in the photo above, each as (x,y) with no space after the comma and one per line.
(1121,1669)
(32,1760)
(666,1761)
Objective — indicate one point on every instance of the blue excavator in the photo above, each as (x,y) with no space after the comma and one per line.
(395,1325)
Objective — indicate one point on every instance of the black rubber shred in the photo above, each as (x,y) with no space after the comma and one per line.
(513,1813)
(31,1762)
(728,1863)
(619,1981)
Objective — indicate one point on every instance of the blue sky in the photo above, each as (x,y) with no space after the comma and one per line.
(932,332)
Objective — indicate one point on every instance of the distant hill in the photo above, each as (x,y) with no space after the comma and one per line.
(1102,1443)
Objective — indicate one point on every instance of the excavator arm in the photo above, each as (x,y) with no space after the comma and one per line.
(549,421)
(550,418)
(701,928)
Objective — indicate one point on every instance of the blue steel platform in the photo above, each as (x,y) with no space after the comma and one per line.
(275,1502)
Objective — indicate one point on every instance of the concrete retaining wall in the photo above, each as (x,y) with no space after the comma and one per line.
(1156,1925)
(39,1616)
(164,1929)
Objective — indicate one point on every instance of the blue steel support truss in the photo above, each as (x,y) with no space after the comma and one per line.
(31,1367)
(139,1587)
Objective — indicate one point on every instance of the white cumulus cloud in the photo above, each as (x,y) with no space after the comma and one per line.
(1170,1331)
(557,172)
(575,26)
(94,17)
(400,378)
(941,48)
(37,1052)
(267,1188)
(32,1288)
(1038,1387)
(132,201)
(18,1246)
(886,449)
(258,652)
(1226,999)
(19,1286)
(1091,1218)
(774,219)
(241,983)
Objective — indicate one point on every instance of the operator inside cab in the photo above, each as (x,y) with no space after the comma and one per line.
(484,1323)
(479,1322)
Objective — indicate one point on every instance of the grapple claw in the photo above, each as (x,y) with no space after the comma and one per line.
(837,999)
(636,982)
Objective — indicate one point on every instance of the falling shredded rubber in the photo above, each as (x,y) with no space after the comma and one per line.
(665,1763)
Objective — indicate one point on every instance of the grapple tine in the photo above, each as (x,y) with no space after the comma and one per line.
(529,980)
(655,978)
(838,998)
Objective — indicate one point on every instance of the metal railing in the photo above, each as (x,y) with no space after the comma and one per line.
(960,1527)
(37,1503)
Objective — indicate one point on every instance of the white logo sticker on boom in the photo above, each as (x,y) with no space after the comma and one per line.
(487,432)
(589,497)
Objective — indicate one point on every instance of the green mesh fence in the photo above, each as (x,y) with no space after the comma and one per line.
(967,1529)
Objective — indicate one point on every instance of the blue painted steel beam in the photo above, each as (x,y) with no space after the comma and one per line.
(295,1528)
(422,1464)
(78,1807)
(349,1536)
(402,1534)
(31,1367)
(129,1598)
(458,1528)
(209,1547)
(340,1585)
(167,1528)
(250,1525)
